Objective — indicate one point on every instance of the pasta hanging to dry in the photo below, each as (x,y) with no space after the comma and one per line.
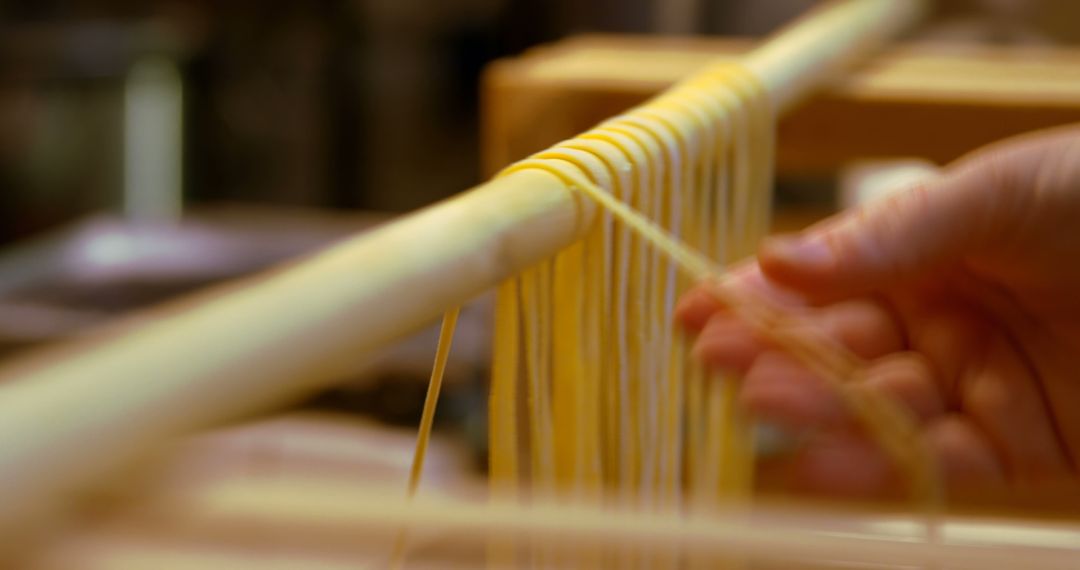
(594,398)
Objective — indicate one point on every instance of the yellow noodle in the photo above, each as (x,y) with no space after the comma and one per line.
(617,412)
(427,419)
(889,424)
(502,413)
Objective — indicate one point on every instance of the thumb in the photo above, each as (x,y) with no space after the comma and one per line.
(898,237)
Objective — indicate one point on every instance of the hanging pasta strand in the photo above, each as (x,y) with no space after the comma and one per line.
(615,412)
(427,420)
(703,156)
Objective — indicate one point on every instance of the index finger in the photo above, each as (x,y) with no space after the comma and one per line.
(699,304)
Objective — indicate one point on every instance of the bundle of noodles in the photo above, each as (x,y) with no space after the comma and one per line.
(594,398)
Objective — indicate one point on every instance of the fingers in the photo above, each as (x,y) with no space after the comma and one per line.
(697,305)
(695,308)
(780,391)
(778,388)
(1001,435)
(966,455)
(727,344)
(841,465)
(846,464)
(1010,198)
(1001,431)
(865,326)
(1004,399)
(908,233)
(908,379)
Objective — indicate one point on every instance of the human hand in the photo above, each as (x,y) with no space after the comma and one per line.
(963,293)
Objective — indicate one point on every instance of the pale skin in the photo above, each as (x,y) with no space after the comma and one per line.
(964,296)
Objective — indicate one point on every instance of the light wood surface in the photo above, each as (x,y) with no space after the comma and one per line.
(930,100)
(326,491)
(322,518)
(123,528)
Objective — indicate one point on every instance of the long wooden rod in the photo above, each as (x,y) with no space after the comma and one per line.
(72,416)
(813,50)
(334,515)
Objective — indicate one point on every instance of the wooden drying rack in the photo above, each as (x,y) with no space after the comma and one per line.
(965,95)
(72,417)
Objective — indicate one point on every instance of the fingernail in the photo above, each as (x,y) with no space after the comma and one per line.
(805,251)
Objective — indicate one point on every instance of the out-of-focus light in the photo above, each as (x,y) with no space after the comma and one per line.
(153,137)
(110,249)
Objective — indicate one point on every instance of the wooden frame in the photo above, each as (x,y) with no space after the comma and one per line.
(964,96)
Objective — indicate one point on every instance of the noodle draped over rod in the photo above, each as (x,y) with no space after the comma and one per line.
(594,397)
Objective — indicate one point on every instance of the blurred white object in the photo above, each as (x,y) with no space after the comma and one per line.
(153,141)
(865,182)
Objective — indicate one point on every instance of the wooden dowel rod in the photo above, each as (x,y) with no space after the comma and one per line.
(266,342)
(314,514)
(112,552)
(811,51)
(64,423)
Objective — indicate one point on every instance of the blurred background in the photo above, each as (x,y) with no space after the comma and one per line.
(149,148)
(360,104)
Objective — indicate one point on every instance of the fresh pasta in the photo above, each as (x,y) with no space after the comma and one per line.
(594,399)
